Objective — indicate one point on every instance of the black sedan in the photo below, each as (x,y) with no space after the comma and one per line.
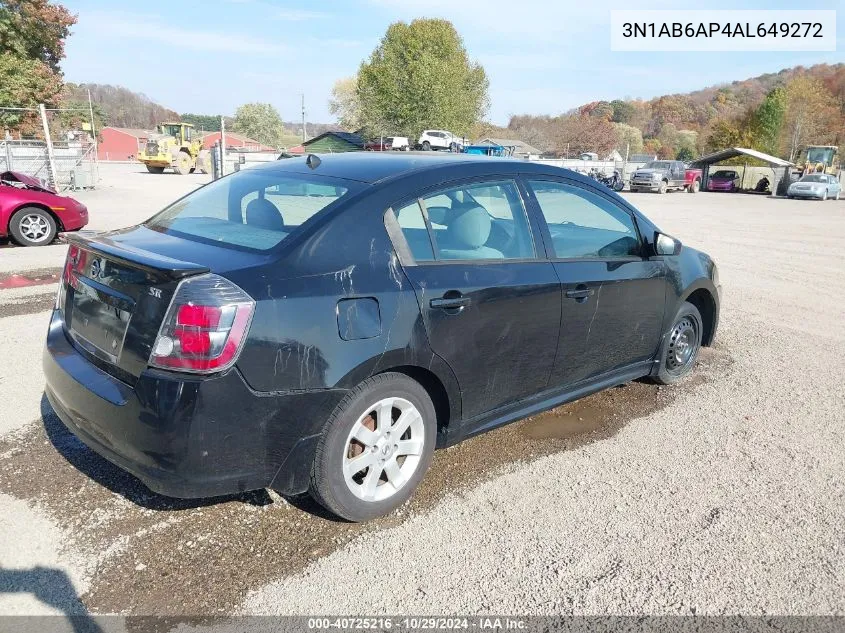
(322,324)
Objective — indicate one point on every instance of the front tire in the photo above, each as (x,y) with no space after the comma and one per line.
(680,346)
(375,448)
(664,187)
(32,226)
(824,195)
(426,146)
(183,164)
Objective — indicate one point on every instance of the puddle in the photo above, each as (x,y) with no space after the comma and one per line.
(163,556)
(39,277)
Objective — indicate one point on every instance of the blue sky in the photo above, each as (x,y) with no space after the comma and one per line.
(542,56)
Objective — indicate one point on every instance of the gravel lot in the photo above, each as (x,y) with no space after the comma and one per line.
(724,494)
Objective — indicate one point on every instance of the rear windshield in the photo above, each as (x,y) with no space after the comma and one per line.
(253,209)
(814,178)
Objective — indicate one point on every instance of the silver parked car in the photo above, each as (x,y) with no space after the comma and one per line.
(821,186)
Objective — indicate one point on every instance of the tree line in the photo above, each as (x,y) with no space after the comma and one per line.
(778,114)
(420,76)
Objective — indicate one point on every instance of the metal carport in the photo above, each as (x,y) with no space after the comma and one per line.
(780,167)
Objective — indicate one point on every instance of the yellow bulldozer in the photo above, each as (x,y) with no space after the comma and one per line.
(173,146)
(821,159)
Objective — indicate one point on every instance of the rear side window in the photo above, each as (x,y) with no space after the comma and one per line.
(583,224)
(479,221)
(253,209)
(412,223)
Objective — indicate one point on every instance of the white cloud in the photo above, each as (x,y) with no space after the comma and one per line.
(150,28)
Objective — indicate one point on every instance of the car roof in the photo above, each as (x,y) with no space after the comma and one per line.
(381,167)
(373,167)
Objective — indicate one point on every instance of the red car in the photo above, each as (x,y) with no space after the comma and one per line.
(31,214)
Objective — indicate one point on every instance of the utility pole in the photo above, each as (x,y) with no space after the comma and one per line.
(304,135)
(222,146)
(51,160)
(93,136)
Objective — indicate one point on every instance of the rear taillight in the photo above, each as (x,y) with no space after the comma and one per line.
(205,326)
(73,264)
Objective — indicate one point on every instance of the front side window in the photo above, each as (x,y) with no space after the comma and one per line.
(252,209)
(479,221)
(583,224)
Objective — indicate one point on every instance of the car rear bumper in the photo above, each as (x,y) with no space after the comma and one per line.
(185,436)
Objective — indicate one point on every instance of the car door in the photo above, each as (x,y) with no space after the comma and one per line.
(613,296)
(677,173)
(490,304)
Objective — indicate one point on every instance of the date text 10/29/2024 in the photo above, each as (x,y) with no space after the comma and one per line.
(416,623)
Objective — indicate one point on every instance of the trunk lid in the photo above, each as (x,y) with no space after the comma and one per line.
(114,298)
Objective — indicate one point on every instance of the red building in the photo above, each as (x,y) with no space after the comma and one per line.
(121,143)
(235,140)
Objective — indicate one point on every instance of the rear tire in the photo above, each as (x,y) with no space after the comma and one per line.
(204,161)
(680,346)
(360,471)
(695,187)
(155,170)
(32,226)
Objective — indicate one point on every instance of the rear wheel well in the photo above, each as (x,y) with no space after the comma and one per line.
(436,391)
(703,300)
(36,205)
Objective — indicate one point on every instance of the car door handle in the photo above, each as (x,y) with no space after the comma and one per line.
(579,293)
(450,303)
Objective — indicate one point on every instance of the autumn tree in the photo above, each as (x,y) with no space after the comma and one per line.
(628,138)
(420,76)
(812,115)
(576,134)
(344,103)
(724,133)
(260,121)
(623,111)
(32,41)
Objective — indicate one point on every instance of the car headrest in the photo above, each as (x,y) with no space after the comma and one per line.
(438,215)
(264,214)
(470,226)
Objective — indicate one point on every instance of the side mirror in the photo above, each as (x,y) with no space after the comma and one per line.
(666,244)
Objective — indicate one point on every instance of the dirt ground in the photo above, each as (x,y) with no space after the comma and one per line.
(723,494)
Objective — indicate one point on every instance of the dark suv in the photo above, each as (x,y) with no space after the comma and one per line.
(321,324)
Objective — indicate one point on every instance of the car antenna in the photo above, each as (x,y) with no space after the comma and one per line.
(313,161)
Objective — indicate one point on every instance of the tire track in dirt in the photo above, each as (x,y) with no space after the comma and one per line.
(164,556)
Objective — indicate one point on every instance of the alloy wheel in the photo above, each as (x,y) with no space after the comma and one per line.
(683,345)
(383,449)
(34,227)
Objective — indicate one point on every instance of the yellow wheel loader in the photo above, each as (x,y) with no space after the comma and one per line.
(820,159)
(173,146)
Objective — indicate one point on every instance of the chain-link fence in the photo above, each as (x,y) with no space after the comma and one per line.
(61,154)
(75,165)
